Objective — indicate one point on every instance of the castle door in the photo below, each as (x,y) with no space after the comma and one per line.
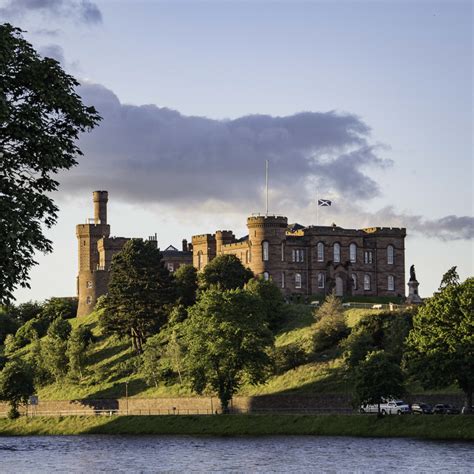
(339,286)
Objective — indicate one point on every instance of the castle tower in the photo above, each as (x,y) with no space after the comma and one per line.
(92,279)
(267,235)
(223,237)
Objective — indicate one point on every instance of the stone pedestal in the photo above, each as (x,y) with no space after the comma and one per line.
(413,296)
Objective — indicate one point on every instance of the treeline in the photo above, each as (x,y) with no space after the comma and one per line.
(215,331)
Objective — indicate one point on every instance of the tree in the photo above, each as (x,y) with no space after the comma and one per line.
(441,343)
(141,291)
(54,348)
(450,278)
(273,302)
(378,377)
(65,308)
(186,284)
(41,117)
(16,385)
(330,325)
(76,351)
(226,272)
(226,338)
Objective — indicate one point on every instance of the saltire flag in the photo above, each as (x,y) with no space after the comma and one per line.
(324,202)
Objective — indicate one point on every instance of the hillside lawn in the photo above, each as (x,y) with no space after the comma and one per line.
(110,366)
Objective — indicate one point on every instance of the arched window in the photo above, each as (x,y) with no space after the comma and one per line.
(89,300)
(320,252)
(390,253)
(199,262)
(366,282)
(321,280)
(337,252)
(266,276)
(353,253)
(390,283)
(283,251)
(297,280)
(354,281)
(265,251)
(283,279)
(247,256)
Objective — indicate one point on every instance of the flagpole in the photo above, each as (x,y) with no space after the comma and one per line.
(266,187)
(317,206)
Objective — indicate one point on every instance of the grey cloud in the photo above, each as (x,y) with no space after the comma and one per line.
(152,154)
(82,10)
(53,51)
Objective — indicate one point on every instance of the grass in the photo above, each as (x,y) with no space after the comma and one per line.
(428,427)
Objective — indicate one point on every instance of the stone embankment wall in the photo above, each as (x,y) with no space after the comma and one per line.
(322,403)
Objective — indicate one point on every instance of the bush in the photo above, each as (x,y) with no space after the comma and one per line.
(288,357)
(65,308)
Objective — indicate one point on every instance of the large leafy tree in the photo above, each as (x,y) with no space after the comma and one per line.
(16,385)
(186,284)
(41,117)
(226,272)
(226,337)
(141,291)
(378,377)
(441,343)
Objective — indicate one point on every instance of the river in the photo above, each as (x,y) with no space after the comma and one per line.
(95,454)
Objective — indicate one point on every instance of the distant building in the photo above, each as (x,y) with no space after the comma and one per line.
(314,260)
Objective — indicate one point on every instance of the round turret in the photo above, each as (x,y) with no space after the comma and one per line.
(100,199)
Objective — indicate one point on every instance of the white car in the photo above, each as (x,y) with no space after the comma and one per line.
(388,407)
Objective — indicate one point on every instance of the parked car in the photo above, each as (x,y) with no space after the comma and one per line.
(388,407)
(445,409)
(421,409)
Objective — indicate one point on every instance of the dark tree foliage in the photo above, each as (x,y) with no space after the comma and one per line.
(227,340)
(226,272)
(65,308)
(8,325)
(186,284)
(378,377)
(26,311)
(441,343)
(41,117)
(141,291)
(273,301)
(384,331)
(16,385)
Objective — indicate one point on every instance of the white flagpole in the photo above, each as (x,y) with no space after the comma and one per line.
(266,187)
(317,206)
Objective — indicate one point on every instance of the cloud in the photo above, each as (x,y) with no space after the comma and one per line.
(82,10)
(53,51)
(152,154)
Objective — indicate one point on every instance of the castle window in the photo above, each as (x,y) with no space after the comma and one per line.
(366,282)
(390,254)
(368,256)
(265,251)
(321,280)
(354,281)
(246,256)
(283,251)
(199,262)
(170,267)
(337,252)
(266,276)
(390,283)
(283,279)
(298,255)
(320,252)
(89,300)
(297,280)
(89,284)
(353,253)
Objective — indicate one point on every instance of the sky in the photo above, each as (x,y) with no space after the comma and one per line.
(367,103)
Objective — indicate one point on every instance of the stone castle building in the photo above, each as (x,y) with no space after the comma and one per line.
(312,260)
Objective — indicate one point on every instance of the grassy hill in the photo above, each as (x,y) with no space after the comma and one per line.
(112,363)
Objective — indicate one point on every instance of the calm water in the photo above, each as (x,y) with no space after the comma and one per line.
(94,454)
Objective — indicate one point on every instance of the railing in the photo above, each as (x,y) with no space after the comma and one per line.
(148,412)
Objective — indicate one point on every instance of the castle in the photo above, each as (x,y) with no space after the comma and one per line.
(312,260)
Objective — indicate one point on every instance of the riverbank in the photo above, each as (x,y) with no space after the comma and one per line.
(424,427)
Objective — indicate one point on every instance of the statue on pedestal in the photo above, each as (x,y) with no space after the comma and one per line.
(413,296)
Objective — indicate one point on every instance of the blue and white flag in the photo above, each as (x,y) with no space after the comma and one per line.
(324,202)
